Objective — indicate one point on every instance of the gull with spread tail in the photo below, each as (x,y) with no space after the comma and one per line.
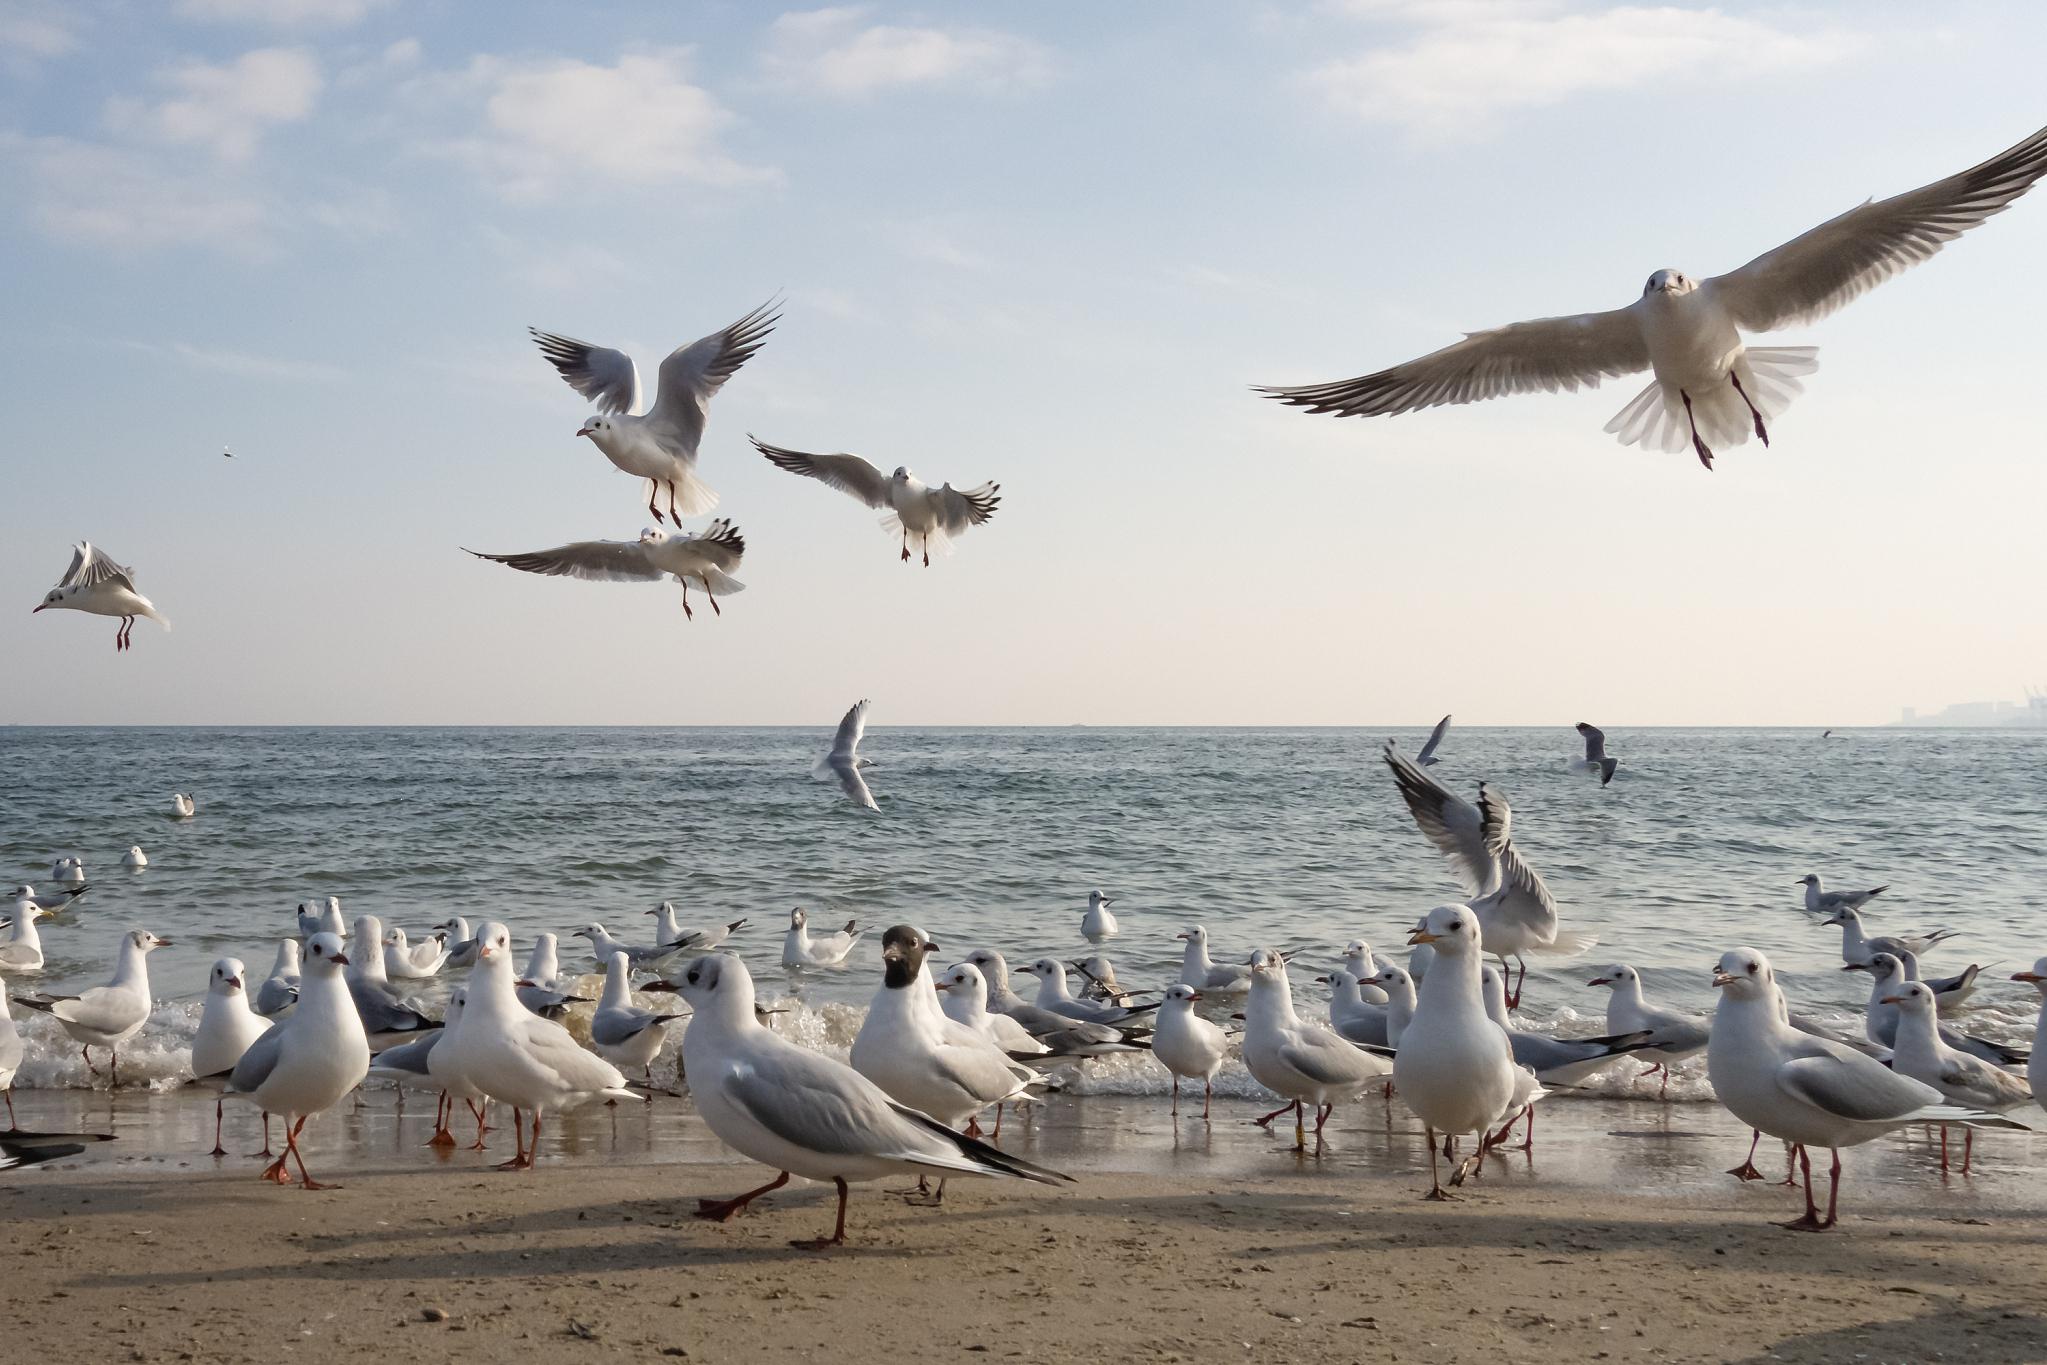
(914,508)
(707,558)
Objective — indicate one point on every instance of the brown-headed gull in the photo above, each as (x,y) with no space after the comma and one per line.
(842,763)
(107,1016)
(659,445)
(95,583)
(1672,1036)
(1805,1090)
(707,558)
(1596,759)
(1961,1078)
(800,1113)
(1188,1046)
(1710,388)
(1821,901)
(227,1028)
(914,508)
(308,1063)
(801,949)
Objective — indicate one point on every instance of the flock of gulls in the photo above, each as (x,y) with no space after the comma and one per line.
(942,1047)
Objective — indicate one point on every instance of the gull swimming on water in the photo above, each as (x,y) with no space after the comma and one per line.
(800,949)
(1858,947)
(182,806)
(49,904)
(1204,974)
(707,558)
(695,940)
(1819,900)
(1709,387)
(68,872)
(843,762)
(108,1016)
(659,445)
(1097,924)
(95,583)
(914,508)
(1065,1035)
(135,859)
(1595,759)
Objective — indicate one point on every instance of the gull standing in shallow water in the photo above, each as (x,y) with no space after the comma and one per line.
(227,1029)
(108,1016)
(1805,1090)
(1300,1062)
(95,583)
(307,1064)
(1188,1045)
(1888,978)
(803,1114)
(707,558)
(1672,1036)
(1958,1076)
(843,763)
(659,445)
(1204,974)
(914,508)
(2036,1065)
(1709,387)
(622,1033)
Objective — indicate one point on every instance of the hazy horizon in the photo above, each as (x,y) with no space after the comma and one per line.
(1052,247)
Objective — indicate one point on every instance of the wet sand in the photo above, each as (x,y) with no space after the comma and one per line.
(1618,1239)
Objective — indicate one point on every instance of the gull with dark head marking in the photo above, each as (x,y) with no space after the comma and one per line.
(659,445)
(707,558)
(1820,901)
(1596,760)
(96,584)
(842,764)
(914,508)
(801,949)
(1710,388)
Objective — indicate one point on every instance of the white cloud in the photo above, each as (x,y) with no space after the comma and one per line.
(1463,63)
(87,194)
(280,13)
(639,122)
(225,109)
(35,31)
(834,52)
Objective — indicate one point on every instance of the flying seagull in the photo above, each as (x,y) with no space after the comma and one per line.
(1595,753)
(1427,757)
(660,444)
(706,558)
(95,583)
(843,763)
(1708,387)
(913,507)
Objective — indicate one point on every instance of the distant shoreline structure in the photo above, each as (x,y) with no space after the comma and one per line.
(1981,715)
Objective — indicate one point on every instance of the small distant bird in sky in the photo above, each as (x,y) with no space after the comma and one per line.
(660,444)
(1595,753)
(844,763)
(1709,388)
(226,453)
(707,558)
(914,508)
(95,583)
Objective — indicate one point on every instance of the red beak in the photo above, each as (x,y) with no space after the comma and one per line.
(37,607)
(339,959)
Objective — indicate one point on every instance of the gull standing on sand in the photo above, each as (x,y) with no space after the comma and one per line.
(408,961)
(843,763)
(1858,947)
(409,1066)
(1709,387)
(1821,901)
(516,1057)
(453,1081)
(1672,1036)
(2036,1065)
(1054,995)
(1455,1067)
(108,1016)
(622,1033)
(1514,909)
(227,1029)
(1188,1045)
(22,950)
(307,1064)
(95,583)
(1062,1033)
(1096,923)
(1204,974)
(1959,1077)
(659,445)
(668,929)
(800,1113)
(707,558)
(922,1058)
(799,949)
(1596,760)
(1880,1017)
(1805,1090)
(1298,1061)
(914,508)
(280,990)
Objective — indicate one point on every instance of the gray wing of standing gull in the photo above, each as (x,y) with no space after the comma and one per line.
(1851,1086)
(614,1027)
(274,996)
(411,1057)
(1427,757)
(1328,1059)
(1843,258)
(382,1014)
(602,375)
(256,1064)
(847,473)
(601,561)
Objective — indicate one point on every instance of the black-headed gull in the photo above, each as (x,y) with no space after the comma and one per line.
(280,990)
(800,949)
(1300,1062)
(1821,901)
(1427,757)
(1887,978)
(1096,923)
(107,1016)
(842,763)
(1673,1036)
(1709,388)
(1513,906)
(1188,1046)
(1204,974)
(914,508)
(1055,995)
(707,558)
(308,1063)
(135,859)
(1596,759)
(622,1033)
(95,583)
(695,939)
(803,1114)
(1859,947)
(227,1028)
(1805,1090)
(182,806)
(1961,1078)
(659,445)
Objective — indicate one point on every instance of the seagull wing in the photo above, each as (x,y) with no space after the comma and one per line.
(847,473)
(1595,742)
(957,511)
(1843,258)
(1326,1058)
(719,544)
(604,561)
(91,566)
(1850,1086)
(851,728)
(602,375)
(1547,355)
(1451,823)
(693,373)
(1427,755)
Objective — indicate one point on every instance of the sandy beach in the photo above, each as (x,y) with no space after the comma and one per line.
(1228,1248)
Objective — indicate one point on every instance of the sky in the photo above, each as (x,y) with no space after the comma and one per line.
(1051,245)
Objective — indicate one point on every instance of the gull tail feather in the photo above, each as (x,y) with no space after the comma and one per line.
(1569,943)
